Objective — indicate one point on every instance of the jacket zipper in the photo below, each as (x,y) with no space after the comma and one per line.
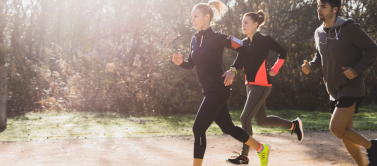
(328,64)
(201,42)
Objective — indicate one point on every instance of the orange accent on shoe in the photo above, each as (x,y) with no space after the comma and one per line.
(245,158)
(294,127)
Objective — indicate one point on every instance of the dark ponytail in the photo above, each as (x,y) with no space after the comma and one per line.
(258,17)
(261,18)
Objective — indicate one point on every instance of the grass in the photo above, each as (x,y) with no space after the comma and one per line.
(53,125)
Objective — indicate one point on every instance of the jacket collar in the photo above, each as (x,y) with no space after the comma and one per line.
(247,39)
(339,22)
(205,32)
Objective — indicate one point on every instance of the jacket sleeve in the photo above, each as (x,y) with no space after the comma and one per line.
(234,44)
(189,63)
(276,47)
(362,40)
(316,63)
(242,53)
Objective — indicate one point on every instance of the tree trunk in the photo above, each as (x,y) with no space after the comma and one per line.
(3,97)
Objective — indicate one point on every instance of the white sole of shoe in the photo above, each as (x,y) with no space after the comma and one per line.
(268,154)
(236,164)
(302,131)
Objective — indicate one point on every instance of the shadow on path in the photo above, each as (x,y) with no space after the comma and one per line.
(317,149)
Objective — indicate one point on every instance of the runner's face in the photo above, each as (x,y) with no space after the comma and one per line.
(325,12)
(248,25)
(199,19)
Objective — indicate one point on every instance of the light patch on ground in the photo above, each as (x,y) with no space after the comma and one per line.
(54,125)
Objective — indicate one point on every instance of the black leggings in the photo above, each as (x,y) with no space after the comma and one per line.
(214,108)
(255,107)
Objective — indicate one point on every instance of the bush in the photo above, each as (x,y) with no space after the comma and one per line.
(115,55)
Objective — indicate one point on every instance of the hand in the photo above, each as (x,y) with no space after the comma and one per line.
(177,59)
(349,72)
(272,73)
(229,76)
(306,67)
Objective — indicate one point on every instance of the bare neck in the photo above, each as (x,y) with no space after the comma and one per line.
(205,27)
(330,22)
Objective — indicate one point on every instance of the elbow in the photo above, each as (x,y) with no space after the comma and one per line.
(283,55)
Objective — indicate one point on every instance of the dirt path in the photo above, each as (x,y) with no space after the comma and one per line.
(317,149)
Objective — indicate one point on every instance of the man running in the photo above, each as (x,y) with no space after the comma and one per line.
(344,52)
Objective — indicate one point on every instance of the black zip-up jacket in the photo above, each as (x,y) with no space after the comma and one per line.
(206,52)
(255,62)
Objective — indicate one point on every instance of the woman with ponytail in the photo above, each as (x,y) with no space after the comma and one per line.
(258,83)
(206,51)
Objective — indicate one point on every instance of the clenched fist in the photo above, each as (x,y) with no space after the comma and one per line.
(306,67)
(349,72)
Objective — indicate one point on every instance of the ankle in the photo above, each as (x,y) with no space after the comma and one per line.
(260,149)
(369,146)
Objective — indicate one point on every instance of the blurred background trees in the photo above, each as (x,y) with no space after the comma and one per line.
(115,55)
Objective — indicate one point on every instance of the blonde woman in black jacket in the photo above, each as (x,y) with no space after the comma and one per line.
(206,51)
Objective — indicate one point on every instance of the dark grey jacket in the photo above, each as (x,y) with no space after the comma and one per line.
(352,48)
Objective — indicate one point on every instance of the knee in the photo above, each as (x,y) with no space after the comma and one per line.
(197,130)
(260,122)
(243,119)
(227,131)
(337,131)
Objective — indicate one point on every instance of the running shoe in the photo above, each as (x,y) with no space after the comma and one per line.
(240,160)
(372,153)
(263,156)
(298,129)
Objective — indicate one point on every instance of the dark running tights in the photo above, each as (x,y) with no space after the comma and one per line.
(214,108)
(255,107)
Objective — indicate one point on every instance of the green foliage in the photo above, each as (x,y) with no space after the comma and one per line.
(79,125)
(115,55)
(2,57)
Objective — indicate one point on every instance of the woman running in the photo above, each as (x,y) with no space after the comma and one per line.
(258,84)
(206,51)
